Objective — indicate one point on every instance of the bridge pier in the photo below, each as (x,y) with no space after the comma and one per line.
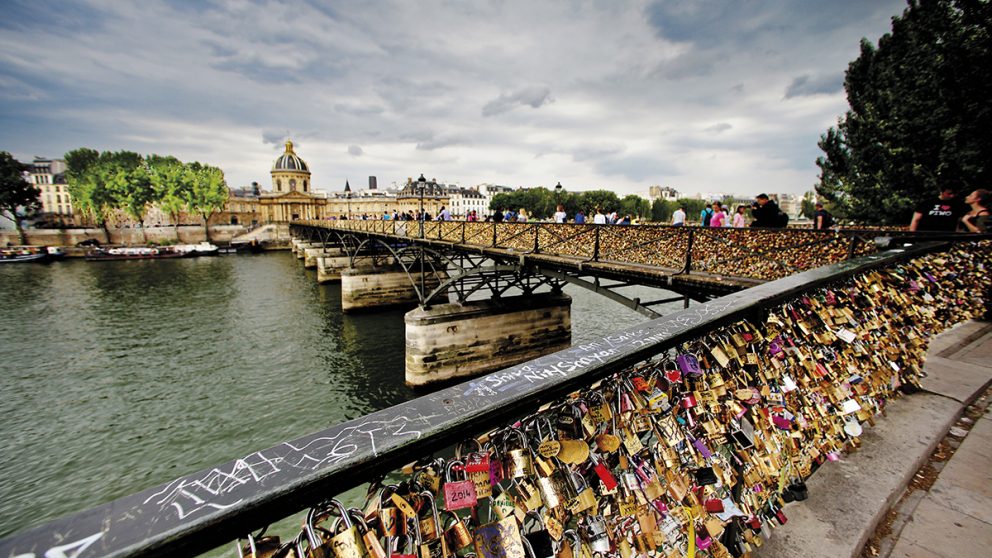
(329,268)
(449,341)
(302,247)
(310,255)
(365,288)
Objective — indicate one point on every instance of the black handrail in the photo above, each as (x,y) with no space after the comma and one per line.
(200,511)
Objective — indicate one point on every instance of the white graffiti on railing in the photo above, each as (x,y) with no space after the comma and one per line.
(70,550)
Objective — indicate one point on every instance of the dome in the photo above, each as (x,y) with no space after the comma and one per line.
(289,161)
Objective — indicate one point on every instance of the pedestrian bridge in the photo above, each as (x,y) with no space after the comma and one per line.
(682,435)
(697,262)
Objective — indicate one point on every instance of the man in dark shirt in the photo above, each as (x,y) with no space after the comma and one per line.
(941,214)
(822,219)
(766,213)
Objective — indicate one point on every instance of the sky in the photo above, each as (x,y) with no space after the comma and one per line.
(700,95)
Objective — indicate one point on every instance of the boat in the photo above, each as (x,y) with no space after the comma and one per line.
(201,249)
(133,253)
(23,255)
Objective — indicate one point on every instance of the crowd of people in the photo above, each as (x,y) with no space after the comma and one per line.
(945,213)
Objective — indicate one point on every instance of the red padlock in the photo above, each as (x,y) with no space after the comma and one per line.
(458,494)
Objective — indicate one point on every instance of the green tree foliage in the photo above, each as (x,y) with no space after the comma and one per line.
(919,115)
(207,192)
(168,178)
(808,206)
(605,200)
(635,206)
(16,192)
(87,174)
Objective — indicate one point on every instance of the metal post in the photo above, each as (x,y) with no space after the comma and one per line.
(494,234)
(595,249)
(537,235)
(688,253)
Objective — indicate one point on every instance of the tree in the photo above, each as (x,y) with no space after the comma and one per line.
(605,200)
(808,207)
(99,183)
(635,206)
(207,192)
(132,188)
(919,114)
(168,178)
(16,192)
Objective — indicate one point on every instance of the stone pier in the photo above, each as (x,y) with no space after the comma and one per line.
(310,255)
(449,341)
(301,248)
(329,268)
(366,288)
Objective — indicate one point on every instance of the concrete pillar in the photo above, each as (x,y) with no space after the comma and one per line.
(329,268)
(366,288)
(301,249)
(450,341)
(310,255)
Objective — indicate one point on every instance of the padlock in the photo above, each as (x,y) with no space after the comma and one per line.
(594,531)
(344,540)
(585,498)
(262,547)
(518,463)
(406,545)
(569,545)
(478,469)
(429,523)
(391,521)
(540,539)
(458,494)
(456,533)
(370,540)
(499,539)
(688,364)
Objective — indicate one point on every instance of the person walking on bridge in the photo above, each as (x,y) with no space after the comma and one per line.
(941,214)
(978,219)
(678,218)
(766,214)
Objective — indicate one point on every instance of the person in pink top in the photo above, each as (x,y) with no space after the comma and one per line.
(719,218)
(739,220)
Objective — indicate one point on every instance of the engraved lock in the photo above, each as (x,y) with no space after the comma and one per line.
(344,543)
(410,541)
(594,531)
(585,498)
(540,539)
(456,533)
(500,539)
(370,539)
(478,469)
(518,463)
(391,522)
(430,526)
(549,491)
(458,494)
(568,421)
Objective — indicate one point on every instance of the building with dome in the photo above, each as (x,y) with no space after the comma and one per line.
(290,173)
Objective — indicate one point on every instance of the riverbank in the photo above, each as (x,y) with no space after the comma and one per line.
(68,239)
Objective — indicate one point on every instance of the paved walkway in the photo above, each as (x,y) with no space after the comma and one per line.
(947,509)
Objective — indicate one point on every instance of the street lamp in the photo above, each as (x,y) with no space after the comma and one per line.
(421,184)
(558,189)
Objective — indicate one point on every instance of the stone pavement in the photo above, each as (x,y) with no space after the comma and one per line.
(868,488)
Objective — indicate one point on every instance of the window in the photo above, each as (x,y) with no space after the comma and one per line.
(58,198)
(279,184)
(304,185)
(292,184)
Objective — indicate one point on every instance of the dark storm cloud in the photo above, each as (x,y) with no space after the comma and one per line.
(534,97)
(806,85)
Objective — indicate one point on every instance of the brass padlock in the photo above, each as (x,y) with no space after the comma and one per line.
(456,532)
(594,531)
(263,547)
(370,539)
(517,462)
(500,539)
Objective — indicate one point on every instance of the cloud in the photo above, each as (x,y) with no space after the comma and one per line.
(534,97)
(274,138)
(718,127)
(595,152)
(431,143)
(805,85)
(355,151)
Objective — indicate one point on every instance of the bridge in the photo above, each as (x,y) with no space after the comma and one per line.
(493,291)
(679,435)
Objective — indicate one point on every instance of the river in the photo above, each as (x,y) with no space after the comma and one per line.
(118,376)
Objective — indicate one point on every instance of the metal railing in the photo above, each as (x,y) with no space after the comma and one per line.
(202,510)
(763,254)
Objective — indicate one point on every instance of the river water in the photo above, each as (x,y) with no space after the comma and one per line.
(118,376)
